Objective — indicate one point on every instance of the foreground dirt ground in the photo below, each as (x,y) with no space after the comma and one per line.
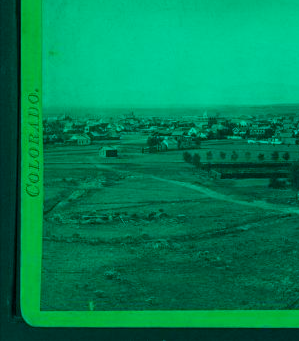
(150,232)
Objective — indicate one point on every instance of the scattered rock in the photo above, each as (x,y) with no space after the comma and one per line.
(145,236)
(243,228)
(99,221)
(93,242)
(99,293)
(176,246)
(82,286)
(162,215)
(57,218)
(112,274)
(150,300)
(76,235)
(161,244)
(134,216)
(68,179)
(152,215)
(203,254)
(84,222)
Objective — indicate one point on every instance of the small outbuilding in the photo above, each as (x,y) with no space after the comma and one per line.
(79,139)
(287,138)
(108,152)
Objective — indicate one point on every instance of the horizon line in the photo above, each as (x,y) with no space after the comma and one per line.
(199,106)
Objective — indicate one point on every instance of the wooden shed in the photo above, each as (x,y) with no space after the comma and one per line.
(107,151)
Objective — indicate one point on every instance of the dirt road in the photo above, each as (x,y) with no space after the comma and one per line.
(219,196)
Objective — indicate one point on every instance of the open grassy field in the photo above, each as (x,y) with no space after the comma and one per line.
(147,231)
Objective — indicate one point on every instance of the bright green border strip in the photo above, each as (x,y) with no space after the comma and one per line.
(31,159)
(31,221)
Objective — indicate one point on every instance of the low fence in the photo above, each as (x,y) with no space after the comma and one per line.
(245,165)
(253,175)
(246,170)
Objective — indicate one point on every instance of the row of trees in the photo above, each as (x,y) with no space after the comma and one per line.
(234,156)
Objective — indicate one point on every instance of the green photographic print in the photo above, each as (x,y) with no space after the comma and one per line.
(160,163)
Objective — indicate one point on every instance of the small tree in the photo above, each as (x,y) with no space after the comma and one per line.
(196,160)
(152,141)
(261,157)
(268,133)
(294,177)
(286,156)
(209,155)
(275,156)
(222,155)
(234,156)
(187,157)
(247,156)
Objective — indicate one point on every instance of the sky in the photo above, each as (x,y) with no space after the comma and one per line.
(169,53)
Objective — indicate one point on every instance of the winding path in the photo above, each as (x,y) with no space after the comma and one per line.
(229,198)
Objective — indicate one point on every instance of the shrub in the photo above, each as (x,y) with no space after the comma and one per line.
(234,156)
(209,155)
(196,160)
(222,155)
(247,155)
(286,156)
(152,141)
(261,156)
(187,157)
(275,156)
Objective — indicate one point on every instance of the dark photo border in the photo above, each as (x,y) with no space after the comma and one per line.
(12,326)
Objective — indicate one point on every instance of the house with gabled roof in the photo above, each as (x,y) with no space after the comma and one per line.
(79,139)
(193,131)
(287,137)
(179,133)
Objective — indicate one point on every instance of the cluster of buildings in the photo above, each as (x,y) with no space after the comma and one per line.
(277,130)
(274,130)
(280,130)
(66,130)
